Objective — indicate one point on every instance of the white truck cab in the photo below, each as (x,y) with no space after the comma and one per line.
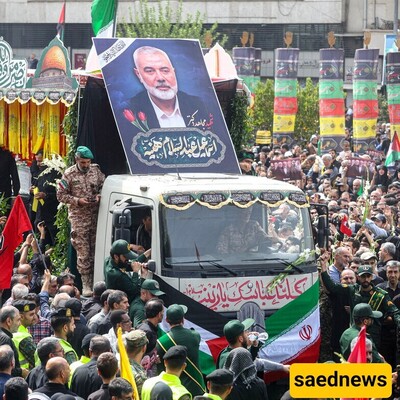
(192,214)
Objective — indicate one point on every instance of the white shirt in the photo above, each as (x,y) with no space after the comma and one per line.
(175,120)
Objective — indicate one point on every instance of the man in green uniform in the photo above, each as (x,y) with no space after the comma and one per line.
(236,335)
(219,385)
(118,266)
(192,378)
(363,316)
(366,292)
(175,362)
(150,290)
(22,339)
(63,324)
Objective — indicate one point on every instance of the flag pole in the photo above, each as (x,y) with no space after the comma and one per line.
(115,19)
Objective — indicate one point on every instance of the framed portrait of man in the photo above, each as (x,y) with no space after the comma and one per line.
(165,106)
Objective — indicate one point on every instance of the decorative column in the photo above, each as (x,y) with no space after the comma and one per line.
(365,97)
(331,97)
(285,102)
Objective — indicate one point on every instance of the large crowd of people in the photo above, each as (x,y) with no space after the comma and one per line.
(58,344)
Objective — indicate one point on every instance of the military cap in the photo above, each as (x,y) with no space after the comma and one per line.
(24,305)
(364,269)
(365,310)
(121,246)
(137,338)
(234,328)
(175,313)
(86,340)
(152,286)
(245,155)
(84,152)
(367,255)
(75,305)
(176,353)
(221,377)
(62,312)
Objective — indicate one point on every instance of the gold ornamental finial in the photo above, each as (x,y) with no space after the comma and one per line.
(367,39)
(331,39)
(208,39)
(288,39)
(251,40)
(245,38)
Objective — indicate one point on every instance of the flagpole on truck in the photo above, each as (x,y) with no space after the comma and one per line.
(115,18)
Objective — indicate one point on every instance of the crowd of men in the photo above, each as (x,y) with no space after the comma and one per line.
(57,344)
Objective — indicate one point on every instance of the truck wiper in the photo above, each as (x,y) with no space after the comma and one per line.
(214,263)
(285,263)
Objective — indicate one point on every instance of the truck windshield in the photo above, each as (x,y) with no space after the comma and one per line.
(234,241)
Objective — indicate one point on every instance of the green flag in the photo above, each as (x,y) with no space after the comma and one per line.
(103,17)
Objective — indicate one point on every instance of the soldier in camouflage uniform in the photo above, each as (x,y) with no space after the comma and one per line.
(80,188)
(136,345)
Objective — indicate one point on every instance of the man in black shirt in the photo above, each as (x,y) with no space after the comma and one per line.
(86,380)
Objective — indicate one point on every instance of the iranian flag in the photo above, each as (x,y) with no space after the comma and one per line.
(294,330)
(393,153)
(104,13)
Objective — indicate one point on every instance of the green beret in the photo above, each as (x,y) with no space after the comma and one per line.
(221,377)
(24,305)
(84,152)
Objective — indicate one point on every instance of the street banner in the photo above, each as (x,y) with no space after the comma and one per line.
(365,99)
(165,107)
(285,102)
(331,99)
(360,168)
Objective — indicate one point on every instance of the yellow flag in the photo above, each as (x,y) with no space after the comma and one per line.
(284,123)
(331,126)
(3,130)
(40,133)
(124,367)
(364,128)
(24,132)
(54,128)
(14,128)
(36,201)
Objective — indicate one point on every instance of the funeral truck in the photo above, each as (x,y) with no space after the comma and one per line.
(217,239)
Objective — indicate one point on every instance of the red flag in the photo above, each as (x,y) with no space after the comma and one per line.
(359,352)
(344,227)
(17,223)
(61,23)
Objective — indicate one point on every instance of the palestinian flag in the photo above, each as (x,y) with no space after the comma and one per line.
(393,153)
(294,330)
(61,23)
(207,322)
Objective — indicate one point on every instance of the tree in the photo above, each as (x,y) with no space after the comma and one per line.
(307,118)
(162,22)
(262,113)
(240,130)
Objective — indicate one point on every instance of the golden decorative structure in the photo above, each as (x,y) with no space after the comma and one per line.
(245,38)
(367,39)
(331,39)
(208,39)
(251,41)
(288,39)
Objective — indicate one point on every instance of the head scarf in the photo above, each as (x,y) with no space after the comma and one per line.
(239,362)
